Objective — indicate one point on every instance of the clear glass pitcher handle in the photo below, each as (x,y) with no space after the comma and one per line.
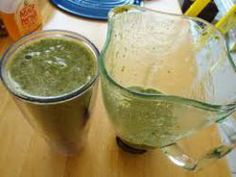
(180,158)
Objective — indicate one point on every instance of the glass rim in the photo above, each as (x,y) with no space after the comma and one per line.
(40,35)
(183,100)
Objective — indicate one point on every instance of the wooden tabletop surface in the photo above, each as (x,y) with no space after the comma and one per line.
(23,153)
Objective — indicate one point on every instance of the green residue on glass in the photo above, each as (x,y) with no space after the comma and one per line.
(52,67)
(218,152)
(144,90)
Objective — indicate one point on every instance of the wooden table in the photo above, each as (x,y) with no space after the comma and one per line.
(23,153)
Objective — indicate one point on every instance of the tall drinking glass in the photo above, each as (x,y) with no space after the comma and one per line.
(52,78)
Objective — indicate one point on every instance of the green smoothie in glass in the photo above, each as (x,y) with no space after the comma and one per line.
(52,75)
(51,67)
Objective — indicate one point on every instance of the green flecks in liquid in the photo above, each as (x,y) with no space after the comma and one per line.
(143,123)
(52,67)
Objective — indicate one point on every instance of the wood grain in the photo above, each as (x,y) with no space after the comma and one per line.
(23,153)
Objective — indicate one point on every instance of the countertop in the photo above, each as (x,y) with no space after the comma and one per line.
(23,153)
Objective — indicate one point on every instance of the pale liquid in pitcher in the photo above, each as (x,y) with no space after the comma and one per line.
(152,122)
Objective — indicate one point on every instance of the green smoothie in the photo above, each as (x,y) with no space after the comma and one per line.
(51,67)
(45,68)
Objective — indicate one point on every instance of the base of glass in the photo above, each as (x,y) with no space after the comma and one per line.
(127,148)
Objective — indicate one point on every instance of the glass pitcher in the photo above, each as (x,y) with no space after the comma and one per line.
(164,77)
